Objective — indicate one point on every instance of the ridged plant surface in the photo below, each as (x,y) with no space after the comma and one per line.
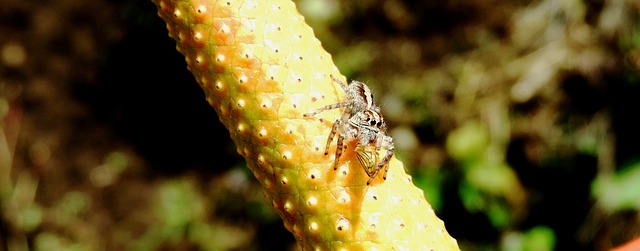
(261,69)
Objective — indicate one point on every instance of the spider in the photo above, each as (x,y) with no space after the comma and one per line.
(361,120)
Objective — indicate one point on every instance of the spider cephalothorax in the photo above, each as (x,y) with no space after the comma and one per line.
(361,120)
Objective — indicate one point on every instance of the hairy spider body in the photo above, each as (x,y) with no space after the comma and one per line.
(361,120)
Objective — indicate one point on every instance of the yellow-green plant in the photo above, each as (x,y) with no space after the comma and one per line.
(262,68)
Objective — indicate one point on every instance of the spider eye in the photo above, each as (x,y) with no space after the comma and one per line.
(379,123)
(372,122)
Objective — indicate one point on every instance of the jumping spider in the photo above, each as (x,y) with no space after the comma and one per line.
(361,120)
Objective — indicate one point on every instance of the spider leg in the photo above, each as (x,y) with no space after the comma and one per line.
(338,151)
(372,177)
(387,157)
(327,107)
(384,163)
(342,84)
(334,130)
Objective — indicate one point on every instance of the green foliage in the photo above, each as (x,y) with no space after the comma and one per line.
(618,191)
(71,206)
(490,185)
(468,143)
(539,238)
(495,179)
(30,217)
(48,241)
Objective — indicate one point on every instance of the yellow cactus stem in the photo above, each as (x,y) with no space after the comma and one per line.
(262,68)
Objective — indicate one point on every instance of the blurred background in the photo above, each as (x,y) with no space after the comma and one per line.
(518,119)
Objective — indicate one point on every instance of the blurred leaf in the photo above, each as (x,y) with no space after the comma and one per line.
(319,11)
(497,180)
(587,143)
(219,236)
(512,241)
(179,205)
(355,58)
(30,217)
(468,143)
(499,214)
(71,205)
(117,160)
(47,241)
(618,191)
(540,238)
(150,240)
(472,198)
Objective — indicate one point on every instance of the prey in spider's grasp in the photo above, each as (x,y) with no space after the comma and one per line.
(361,120)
